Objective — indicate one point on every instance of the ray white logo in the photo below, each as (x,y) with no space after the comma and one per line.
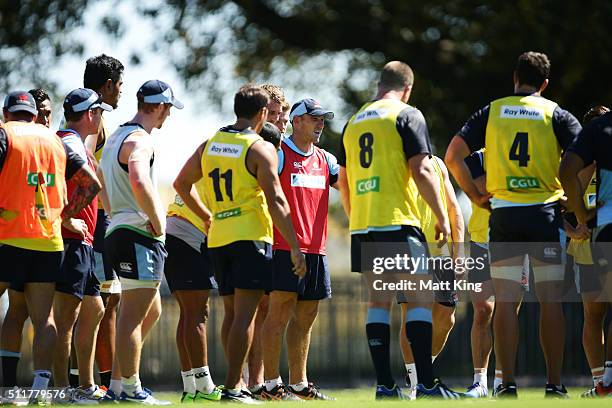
(370,114)
(225,150)
(307,181)
(521,112)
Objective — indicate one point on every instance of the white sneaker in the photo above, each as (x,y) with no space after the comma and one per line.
(411,395)
(62,397)
(477,390)
(88,397)
(14,396)
(143,398)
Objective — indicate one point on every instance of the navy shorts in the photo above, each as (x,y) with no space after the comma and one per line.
(315,285)
(533,230)
(21,266)
(77,275)
(134,255)
(478,274)
(405,234)
(187,269)
(602,241)
(103,270)
(242,265)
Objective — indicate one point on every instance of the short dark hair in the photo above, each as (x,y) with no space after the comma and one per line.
(532,68)
(395,75)
(100,69)
(249,100)
(74,117)
(594,112)
(270,133)
(39,95)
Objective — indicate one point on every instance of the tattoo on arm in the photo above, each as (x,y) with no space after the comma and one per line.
(87,188)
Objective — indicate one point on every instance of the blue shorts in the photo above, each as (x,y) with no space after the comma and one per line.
(187,269)
(21,266)
(242,265)
(103,270)
(315,285)
(77,272)
(134,255)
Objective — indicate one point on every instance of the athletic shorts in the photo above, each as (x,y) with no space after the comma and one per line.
(21,266)
(407,233)
(135,256)
(602,255)
(589,278)
(534,230)
(104,272)
(445,297)
(478,274)
(187,269)
(77,275)
(315,285)
(242,265)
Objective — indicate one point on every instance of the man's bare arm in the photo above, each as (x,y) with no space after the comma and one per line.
(570,167)
(87,186)
(454,213)
(456,153)
(187,177)
(344,191)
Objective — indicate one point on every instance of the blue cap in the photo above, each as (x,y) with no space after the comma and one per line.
(20,101)
(309,106)
(156,91)
(84,99)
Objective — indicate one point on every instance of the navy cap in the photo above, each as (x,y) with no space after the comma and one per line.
(311,107)
(156,91)
(20,101)
(84,99)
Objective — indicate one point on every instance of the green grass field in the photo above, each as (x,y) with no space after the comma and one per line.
(364,397)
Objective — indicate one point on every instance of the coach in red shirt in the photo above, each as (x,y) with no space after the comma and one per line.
(306,173)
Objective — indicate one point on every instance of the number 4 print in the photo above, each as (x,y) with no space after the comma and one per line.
(520,149)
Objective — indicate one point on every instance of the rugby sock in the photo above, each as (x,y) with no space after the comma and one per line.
(419,331)
(412,374)
(597,374)
(203,380)
(189,384)
(270,384)
(74,377)
(115,386)
(379,338)
(131,385)
(10,360)
(480,376)
(607,380)
(105,378)
(41,379)
(498,379)
(299,386)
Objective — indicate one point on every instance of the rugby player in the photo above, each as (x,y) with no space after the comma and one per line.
(385,162)
(134,241)
(306,173)
(593,145)
(244,194)
(43,106)
(524,135)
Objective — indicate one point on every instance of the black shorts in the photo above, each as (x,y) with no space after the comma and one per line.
(406,233)
(187,269)
(103,270)
(602,245)
(77,275)
(134,255)
(445,297)
(315,285)
(21,266)
(242,265)
(481,272)
(533,230)
(589,278)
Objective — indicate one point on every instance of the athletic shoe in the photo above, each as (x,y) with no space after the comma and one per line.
(439,390)
(506,391)
(187,397)
(256,392)
(552,391)
(279,393)
(214,395)
(311,393)
(62,397)
(383,392)
(88,397)
(142,397)
(599,391)
(476,390)
(242,398)
(109,398)
(14,396)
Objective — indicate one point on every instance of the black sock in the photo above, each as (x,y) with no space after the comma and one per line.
(420,335)
(379,335)
(9,371)
(105,377)
(74,380)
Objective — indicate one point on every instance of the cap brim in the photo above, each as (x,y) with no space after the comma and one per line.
(22,108)
(329,115)
(176,103)
(104,106)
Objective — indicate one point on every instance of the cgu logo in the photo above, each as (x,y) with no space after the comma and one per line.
(48,179)
(298,165)
(516,183)
(368,185)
